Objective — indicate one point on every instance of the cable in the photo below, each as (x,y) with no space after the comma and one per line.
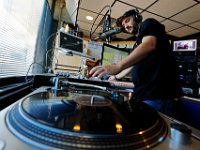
(26,79)
(46,57)
(49,39)
(47,52)
(91,33)
(65,51)
(46,64)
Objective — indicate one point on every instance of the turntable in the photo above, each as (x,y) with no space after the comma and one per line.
(78,118)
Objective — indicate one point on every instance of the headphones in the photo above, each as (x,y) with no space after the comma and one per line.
(138,17)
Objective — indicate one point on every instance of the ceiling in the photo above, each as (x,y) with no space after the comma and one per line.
(180,17)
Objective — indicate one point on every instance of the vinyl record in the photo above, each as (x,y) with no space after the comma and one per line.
(85,119)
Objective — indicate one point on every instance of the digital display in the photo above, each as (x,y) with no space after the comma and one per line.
(112,54)
(185,45)
(70,42)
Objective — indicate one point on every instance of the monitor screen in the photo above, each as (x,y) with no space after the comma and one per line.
(70,42)
(112,54)
(185,45)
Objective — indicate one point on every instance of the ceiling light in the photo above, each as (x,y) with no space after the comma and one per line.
(89,17)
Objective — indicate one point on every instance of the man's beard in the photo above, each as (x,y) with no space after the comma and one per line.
(135,29)
(129,29)
(132,29)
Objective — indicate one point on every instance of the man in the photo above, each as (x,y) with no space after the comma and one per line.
(154,73)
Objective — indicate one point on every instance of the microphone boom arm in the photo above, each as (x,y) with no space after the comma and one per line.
(109,33)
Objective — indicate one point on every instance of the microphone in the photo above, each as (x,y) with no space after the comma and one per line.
(109,33)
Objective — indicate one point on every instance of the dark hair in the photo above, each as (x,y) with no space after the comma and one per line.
(132,12)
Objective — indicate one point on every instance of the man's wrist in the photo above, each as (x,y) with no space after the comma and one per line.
(116,77)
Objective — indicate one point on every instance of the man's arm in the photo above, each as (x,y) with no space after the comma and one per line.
(147,46)
(120,75)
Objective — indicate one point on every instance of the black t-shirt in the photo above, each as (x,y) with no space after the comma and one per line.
(155,76)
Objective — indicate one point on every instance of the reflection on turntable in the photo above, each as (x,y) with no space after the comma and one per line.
(75,119)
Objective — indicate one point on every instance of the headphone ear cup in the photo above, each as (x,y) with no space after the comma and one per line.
(138,17)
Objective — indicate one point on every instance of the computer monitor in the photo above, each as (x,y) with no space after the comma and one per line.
(70,42)
(112,54)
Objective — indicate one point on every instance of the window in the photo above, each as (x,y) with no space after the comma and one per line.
(21,22)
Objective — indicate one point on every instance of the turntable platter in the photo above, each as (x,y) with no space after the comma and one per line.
(85,120)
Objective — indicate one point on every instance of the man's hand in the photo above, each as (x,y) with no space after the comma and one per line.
(112,78)
(99,71)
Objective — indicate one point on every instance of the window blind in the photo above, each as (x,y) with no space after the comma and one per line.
(20,21)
